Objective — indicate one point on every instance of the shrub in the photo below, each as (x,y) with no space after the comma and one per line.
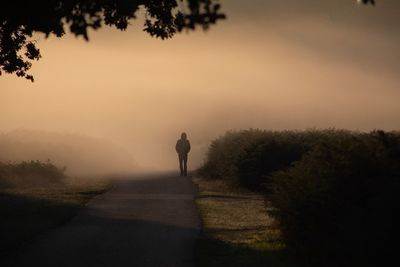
(248,157)
(274,152)
(336,206)
(335,193)
(33,173)
(225,153)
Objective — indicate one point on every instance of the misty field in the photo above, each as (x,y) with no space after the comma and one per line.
(333,193)
(37,196)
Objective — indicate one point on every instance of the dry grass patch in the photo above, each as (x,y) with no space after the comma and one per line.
(237,228)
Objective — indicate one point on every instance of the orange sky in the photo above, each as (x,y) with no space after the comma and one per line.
(272,65)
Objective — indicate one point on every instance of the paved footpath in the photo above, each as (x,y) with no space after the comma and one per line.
(143,221)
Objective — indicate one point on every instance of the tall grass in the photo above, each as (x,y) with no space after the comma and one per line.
(334,192)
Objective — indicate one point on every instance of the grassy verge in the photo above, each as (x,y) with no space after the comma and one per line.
(27,211)
(237,230)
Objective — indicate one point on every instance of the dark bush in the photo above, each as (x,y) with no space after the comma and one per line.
(248,157)
(335,193)
(336,206)
(272,153)
(33,173)
(226,152)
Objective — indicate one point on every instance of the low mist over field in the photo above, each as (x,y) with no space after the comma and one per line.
(272,65)
(81,155)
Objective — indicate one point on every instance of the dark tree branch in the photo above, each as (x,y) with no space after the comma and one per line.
(20,19)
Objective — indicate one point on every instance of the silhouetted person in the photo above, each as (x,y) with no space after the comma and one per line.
(182,148)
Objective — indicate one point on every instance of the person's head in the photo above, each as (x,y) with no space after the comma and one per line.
(183,136)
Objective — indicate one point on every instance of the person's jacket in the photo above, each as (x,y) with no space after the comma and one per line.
(182,146)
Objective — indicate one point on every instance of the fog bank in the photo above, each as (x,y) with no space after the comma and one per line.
(81,155)
(271,64)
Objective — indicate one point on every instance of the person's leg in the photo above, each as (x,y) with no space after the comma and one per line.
(185,158)
(180,164)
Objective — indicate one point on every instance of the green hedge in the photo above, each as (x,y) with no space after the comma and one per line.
(248,157)
(226,152)
(335,193)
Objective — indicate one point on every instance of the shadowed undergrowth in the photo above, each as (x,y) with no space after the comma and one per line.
(333,193)
(35,197)
(215,253)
